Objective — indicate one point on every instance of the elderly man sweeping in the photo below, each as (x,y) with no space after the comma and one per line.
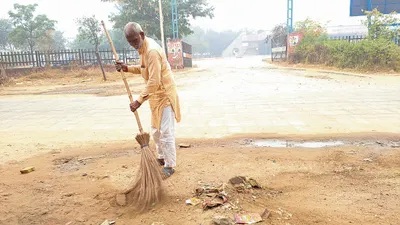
(160,91)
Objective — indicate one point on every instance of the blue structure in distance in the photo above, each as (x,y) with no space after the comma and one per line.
(175,30)
(384,6)
(289,22)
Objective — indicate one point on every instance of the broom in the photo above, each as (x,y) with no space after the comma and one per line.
(147,188)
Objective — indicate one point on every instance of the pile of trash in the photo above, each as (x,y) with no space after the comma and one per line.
(212,196)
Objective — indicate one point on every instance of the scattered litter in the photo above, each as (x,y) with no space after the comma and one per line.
(240,183)
(265,214)
(222,220)
(206,189)
(247,218)
(193,201)
(284,214)
(254,183)
(237,180)
(218,200)
(395,145)
(106,222)
(184,145)
(27,170)
(368,160)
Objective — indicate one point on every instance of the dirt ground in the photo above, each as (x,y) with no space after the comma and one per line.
(357,183)
(73,183)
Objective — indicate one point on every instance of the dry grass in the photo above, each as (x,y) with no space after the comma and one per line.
(67,76)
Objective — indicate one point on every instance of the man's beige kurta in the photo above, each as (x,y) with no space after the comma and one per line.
(160,88)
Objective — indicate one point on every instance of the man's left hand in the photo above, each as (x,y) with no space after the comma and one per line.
(134,106)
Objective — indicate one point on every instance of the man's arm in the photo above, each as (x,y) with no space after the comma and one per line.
(154,68)
(134,69)
(130,69)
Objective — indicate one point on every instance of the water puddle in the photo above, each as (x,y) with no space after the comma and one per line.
(296,144)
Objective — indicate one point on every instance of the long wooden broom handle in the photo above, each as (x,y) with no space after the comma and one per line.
(123,77)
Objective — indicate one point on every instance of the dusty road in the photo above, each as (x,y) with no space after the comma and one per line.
(222,98)
(68,132)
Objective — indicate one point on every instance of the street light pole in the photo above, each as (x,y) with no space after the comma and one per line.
(161,25)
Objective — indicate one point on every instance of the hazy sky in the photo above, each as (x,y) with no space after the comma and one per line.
(229,14)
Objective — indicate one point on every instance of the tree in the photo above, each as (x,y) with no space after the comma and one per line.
(148,13)
(379,25)
(28,29)
(89,28)
(310,28)
(279,34)
(53,40)
(5,30)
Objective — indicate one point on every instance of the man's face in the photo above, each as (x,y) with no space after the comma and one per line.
(135,39)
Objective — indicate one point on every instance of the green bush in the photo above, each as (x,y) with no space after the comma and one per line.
(378,54)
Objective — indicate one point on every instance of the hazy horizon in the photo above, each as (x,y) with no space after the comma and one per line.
(229,14)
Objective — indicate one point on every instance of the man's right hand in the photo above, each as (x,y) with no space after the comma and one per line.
(121,66)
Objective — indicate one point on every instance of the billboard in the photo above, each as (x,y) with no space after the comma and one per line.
(175,57)
(384,6)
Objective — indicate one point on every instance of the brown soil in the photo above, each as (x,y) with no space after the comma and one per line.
(79,81)
(354,184)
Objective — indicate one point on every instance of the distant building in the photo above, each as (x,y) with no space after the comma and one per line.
(347,30)
(248,44)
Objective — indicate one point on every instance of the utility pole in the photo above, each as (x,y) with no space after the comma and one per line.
(161,24)
(175,31)
(289,22)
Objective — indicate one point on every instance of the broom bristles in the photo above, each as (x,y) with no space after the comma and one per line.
(147,189)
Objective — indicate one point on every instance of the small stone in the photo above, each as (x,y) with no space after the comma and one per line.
(27,170)
(221,220)
(84,174)
(184,145)
(105,222)
(125,166)
(121,199)
(69,194)
(79,219)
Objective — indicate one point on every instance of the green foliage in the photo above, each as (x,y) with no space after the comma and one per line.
(5,30)
(89,30)
(378,54)
(379,25)
(310,27)
(146,13)
(28,29)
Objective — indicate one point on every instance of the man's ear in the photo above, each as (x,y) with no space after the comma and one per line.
(142,34)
